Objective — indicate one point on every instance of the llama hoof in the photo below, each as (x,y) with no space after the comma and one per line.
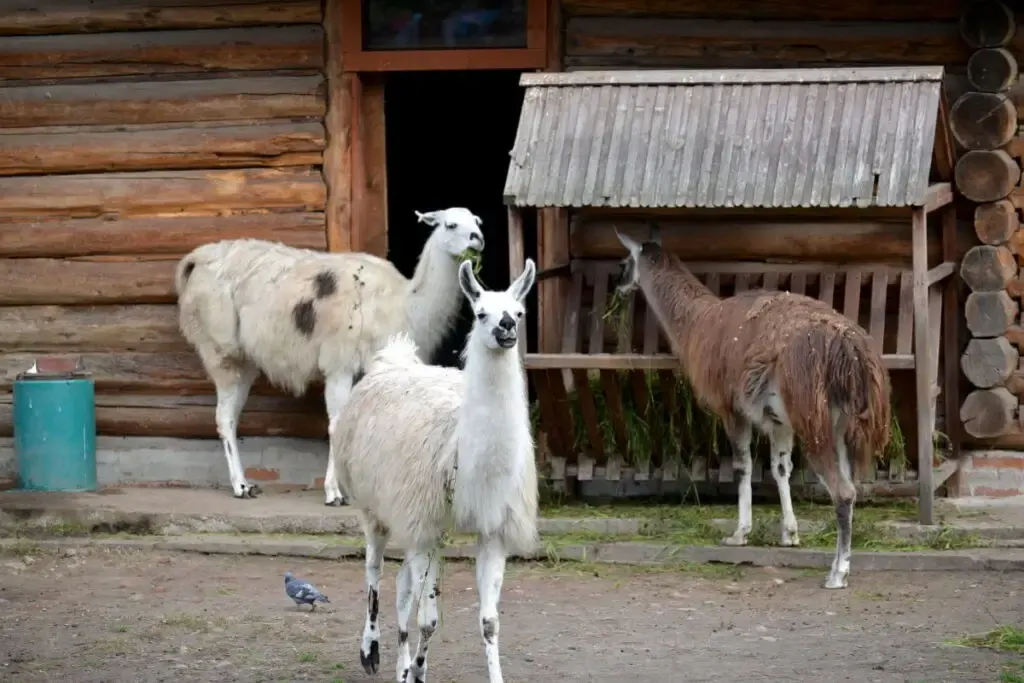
(835,582)
(335,502)
(249,491)
(370,662)
(790,540)
(736,539)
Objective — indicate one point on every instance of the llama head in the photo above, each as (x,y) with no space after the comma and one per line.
(455,229)
(637,254)
(497,313)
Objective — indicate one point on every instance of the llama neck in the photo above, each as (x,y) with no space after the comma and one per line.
(434,298)
(495,407)
(677,298)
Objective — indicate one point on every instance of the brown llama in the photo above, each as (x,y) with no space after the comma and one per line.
(783,363)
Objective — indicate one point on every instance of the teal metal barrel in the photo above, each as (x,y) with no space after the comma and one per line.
(55,433)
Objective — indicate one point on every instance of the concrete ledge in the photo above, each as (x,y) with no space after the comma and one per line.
(626,553)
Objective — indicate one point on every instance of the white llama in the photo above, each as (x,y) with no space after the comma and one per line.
(300,316)
(417,441)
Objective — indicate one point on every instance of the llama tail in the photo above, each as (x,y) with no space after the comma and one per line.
(850,389)
(400,349)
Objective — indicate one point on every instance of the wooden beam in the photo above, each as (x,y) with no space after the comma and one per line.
(923,383)
(940,272)
(943,154)
(600,361)
(337,170)
(516,262)
(951,336)
(938,196)
(357,165)
(373,229)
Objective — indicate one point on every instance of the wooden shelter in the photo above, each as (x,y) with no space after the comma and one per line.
(657,146)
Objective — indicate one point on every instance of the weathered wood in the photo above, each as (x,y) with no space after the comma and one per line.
(713,43)
(193,417)
(983,120)
(745,239)
(989,362)
(925,339)
(988,413)
(337,169)
(29,282)
(59,329)
(817,10)
(552,251)
(990,314)
(987,23)
(162,146)
(265,48)
(218,99)
(988,269)
(992,69)
(986,176)
(995,222)
(373,231)
(158,235)
(157,192)
(28,17)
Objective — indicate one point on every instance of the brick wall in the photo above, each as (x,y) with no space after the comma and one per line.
(991,474)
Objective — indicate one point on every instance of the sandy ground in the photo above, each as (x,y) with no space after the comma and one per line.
(101,615)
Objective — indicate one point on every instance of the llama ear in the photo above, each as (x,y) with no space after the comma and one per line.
(479,221)
(470,287)
(631,245)
(522,285)
(430,218)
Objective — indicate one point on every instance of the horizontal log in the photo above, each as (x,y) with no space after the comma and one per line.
(60,329)
(217,99)
(996,222)
(990,314)
(31,282)
(592,42)
(988,269)
(750,240)
(989,413)
(986,176)
(987,23)
(992,69)
(161,52)
(193,417)
(828,10)
(156,192)
(163,146)
(983,120)
(988,363)
(27,17)
(159,235)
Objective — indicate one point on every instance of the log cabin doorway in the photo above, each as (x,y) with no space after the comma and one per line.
(448,135)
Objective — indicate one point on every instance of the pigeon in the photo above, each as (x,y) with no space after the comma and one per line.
(303,592)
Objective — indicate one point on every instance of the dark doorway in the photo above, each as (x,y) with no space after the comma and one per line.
(449,134)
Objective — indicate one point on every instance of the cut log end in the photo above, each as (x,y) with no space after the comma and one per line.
(986,176)
(983,120)
(989,363)
(990,314)
(987,24)
(992,70)
(995,222)
(988,413)
(988,269)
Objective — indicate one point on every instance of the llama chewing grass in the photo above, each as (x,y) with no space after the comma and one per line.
(421,447)
(785,364)
(300,316)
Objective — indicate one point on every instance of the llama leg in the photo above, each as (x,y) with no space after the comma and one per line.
(844,496)
(337,388)
(782,468)
(369,650)
(403,600)
(232,391)
(740,435)
(427,620)
(490,573)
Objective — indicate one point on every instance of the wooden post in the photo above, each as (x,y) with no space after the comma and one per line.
(951,336)
(925,423)
(337,122)
(516,262)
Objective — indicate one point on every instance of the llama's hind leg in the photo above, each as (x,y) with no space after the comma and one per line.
(782,468)
(844,493)
(427,619)
(403,602)
(740,434)
(369,649)
(233,383)
(490,574)
(337,388)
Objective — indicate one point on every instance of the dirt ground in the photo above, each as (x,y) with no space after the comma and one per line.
(102,615)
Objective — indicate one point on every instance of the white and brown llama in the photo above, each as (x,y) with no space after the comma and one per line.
(420,446)
(783,363)
(299,316)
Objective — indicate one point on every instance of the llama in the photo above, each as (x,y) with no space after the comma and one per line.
(784,363)
(298,316)
(417,443)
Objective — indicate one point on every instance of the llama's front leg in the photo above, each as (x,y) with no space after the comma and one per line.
(337,388)
(369,650)
(740,434)
(490,572)
(427,620)
(782,469)
(232,391)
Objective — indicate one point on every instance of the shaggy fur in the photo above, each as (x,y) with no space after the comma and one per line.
(300,316)
(419,444)
(784,363)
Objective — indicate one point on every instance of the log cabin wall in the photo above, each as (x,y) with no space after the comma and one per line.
(132,131)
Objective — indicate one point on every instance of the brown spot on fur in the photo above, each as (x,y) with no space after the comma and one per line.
(325,284)
(304,317)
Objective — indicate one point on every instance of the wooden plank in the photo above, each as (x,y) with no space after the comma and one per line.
(338,122)
(128,103)
(714,283)
(879,290)
(169,235)
(106,194)
(905,324)
(25,17)
(549,416)
(193,417)
(42,329)
(851,295)
(516,262)
(573,310)
(771,281)
(566,422)
(616,413)
(951,337)
(624,328)
(373,229)
(827,287)
(30,282)
(600,361)
(552,251)
(588,409)
(162,146)
(922,353)
(652,332)
(742,282)
(798,283)
(648,411)
(264,48)
(806,10)
(595,345)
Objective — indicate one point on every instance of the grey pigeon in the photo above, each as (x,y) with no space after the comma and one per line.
(303,592)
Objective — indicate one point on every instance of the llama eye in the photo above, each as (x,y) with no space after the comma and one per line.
(519,314)
(481,317)
(450,226)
